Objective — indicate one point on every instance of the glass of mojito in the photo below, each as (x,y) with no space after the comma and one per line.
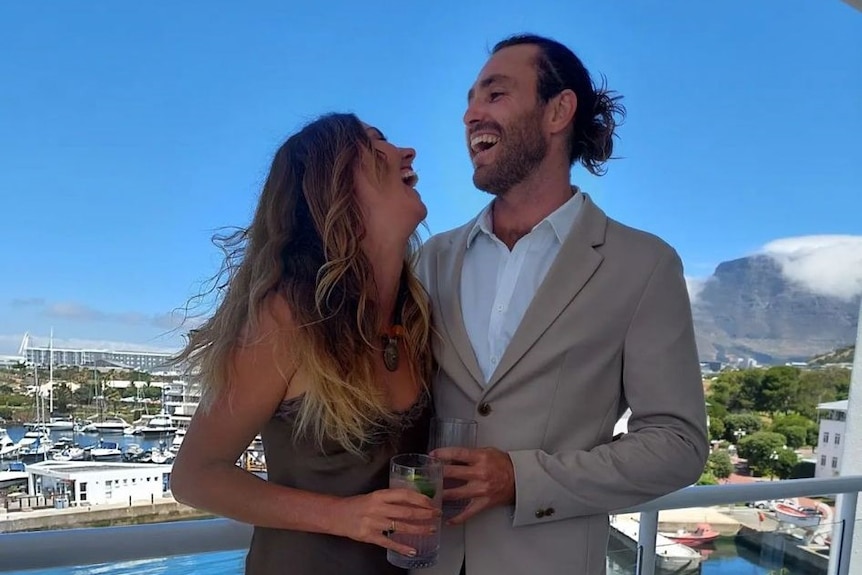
(424,474)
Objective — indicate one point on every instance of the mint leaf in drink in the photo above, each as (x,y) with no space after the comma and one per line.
(422,485)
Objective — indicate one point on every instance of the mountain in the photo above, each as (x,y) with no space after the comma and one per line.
(749,309)
(843,355)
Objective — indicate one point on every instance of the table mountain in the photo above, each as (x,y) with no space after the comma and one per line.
(749,309)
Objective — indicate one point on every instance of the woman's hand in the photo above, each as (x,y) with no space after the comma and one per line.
(368,518)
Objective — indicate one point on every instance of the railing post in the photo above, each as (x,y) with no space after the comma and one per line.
(840,556)
(647,533)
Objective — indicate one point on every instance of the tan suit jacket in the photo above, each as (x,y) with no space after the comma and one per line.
(609,328)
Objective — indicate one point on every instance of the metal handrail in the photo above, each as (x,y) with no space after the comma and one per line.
(87,546)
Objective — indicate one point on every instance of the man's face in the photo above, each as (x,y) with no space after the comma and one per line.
(504,121)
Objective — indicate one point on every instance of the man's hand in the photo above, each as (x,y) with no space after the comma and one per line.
(488,475)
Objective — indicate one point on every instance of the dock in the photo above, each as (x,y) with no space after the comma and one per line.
(673,520)
(114,514)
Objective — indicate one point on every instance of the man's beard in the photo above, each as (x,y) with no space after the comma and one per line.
(522,149)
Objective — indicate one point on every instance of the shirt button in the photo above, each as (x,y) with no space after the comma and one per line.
(494,360)
(499,308)
(484,409)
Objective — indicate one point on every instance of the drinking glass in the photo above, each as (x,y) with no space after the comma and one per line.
(424,474)
(452,432)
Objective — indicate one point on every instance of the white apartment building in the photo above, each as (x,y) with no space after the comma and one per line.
(98,483)
(833,416)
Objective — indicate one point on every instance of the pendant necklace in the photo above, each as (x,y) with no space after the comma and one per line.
(396,332)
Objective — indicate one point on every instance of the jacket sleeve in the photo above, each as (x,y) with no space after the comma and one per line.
(666,446)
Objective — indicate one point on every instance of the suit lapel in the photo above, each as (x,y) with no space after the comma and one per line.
(575,264)
(450,260)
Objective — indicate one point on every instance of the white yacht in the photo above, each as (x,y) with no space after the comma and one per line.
(8,448)
(178,440)
(116,425)
(35,445)
(160,424)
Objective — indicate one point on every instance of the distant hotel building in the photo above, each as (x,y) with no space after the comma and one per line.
(138,360)
(833,417)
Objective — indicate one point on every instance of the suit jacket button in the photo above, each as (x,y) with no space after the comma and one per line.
(549,511)
(540,513)
(484,408)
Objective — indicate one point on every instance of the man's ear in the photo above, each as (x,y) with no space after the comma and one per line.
(562,111)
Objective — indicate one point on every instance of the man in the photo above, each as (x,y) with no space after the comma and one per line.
(553,320)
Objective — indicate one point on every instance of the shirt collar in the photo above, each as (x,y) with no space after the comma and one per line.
(560,220)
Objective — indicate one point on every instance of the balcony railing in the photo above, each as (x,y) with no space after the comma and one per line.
(87,546)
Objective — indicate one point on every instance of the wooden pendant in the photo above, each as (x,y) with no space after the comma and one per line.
(390,353)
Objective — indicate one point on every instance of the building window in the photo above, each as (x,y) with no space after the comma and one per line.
(837,439)
(834,463)
(825,437)
(823,460)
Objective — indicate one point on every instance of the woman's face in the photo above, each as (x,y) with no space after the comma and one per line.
(385,187)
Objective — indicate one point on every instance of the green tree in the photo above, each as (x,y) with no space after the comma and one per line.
(798,429)
(744,422)
(112,397)
(719,464)
(779,388)
(761,449)
(784,465)
(749,395)
(819,386)
(152,392)
(716,428)
(84,394)
(707,478)
(62,397)
(716,410)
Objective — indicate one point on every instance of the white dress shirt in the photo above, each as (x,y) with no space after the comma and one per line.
(497,285)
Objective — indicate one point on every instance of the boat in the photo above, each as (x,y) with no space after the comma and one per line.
(116,425)
(670,555)
(704,533)
(15,475)
(106,450)
(55,424)
(177,441)
(8,448)
(70,454)
(160,424)
(35,445)
(788,512)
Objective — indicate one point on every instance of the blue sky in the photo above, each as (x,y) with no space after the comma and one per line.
(127,136)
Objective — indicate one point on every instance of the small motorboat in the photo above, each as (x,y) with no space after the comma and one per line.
(703,534)
(796,515)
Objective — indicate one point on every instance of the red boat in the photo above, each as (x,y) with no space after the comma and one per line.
(703,534)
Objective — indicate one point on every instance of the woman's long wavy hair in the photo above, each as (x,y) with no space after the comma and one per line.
(304,242)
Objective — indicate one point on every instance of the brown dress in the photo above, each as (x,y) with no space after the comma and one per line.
(303,465)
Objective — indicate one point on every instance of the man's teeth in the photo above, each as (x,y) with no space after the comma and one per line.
(410,177)
(483,142)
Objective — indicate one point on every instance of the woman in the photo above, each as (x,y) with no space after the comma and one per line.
(320,343)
